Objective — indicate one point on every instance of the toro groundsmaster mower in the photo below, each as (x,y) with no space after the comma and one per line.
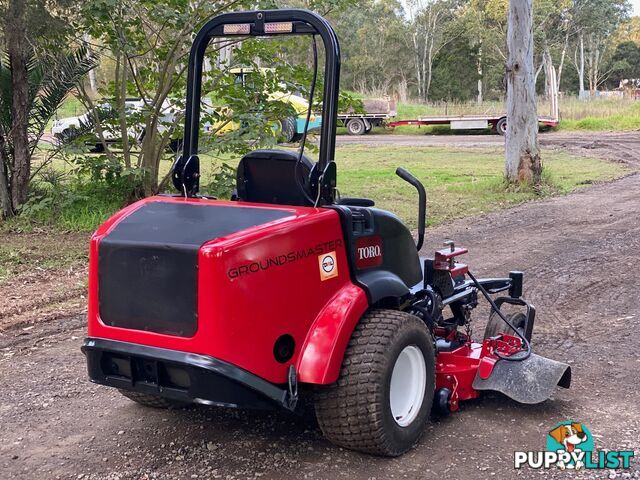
(287,290)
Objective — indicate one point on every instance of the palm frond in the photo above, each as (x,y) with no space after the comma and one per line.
(53,78)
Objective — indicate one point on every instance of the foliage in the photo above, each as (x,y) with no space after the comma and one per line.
(148,41)
(49,78)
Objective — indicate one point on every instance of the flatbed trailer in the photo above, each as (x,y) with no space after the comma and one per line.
(497,123)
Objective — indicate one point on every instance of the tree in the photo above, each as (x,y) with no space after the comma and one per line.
(427,24)
(523,163)
(375,58)
(33,84)
(596,21)
(625,63)
(149,42)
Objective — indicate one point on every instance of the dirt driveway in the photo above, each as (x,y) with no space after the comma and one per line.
(579,253)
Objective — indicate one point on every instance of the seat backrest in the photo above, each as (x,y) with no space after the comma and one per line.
(268,176)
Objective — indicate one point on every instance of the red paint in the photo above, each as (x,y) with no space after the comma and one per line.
(329,336)
(369,252)
(486,367)
(240,317)
(457,369)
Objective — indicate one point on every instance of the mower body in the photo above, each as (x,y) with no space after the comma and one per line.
(251,288)
(239,303)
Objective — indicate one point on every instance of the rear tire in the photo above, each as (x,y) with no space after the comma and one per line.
(356,126)
(501,126)
(153,401)
(382,400)
(496,326)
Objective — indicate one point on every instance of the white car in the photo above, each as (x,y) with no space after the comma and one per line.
(65,129)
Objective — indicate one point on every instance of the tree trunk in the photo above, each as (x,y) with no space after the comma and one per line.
(93,84)
(5,194)
(561,64)
(121,96)
(16,49)
(479,64)
(581,93)
(523,162)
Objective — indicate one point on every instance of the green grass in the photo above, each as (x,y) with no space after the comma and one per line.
(459,182)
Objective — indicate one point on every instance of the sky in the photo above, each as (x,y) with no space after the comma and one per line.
(636,7)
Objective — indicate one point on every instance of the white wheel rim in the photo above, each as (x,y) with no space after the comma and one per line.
(408,382)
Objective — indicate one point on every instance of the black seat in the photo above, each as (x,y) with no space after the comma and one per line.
(268,176)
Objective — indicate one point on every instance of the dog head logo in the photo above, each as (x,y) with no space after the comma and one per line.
(572,441)
(569,436)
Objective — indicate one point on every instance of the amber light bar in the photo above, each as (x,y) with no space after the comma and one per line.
(278,27)
(237,29)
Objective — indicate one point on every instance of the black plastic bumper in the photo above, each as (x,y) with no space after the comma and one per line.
(181,376)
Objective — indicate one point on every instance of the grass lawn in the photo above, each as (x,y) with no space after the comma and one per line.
(459,182)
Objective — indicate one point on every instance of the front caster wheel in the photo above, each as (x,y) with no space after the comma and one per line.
(383,397)
(442,402)
(496,326)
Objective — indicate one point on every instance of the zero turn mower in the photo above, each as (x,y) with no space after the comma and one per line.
(287,289)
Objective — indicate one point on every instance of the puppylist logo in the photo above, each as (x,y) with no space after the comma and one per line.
(570,446)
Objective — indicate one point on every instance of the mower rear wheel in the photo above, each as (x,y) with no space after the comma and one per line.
(153,401)
(383,397)
(496,326)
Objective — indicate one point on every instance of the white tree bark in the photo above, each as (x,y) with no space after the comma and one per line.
(523,162)
(479,64)
(93,84)
(580,66)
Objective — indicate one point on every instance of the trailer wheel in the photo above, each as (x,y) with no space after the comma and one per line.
(501,126)
(355,126)
(495,325)
(383,397)
(153,401)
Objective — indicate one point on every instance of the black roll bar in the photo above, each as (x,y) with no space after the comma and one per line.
(186,169)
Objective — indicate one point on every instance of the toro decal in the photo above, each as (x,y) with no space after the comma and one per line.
(369,252)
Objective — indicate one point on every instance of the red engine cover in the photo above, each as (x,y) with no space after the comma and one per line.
(288,276)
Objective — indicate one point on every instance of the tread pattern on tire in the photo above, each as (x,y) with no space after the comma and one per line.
(496,325)
(349,411)
(153,401)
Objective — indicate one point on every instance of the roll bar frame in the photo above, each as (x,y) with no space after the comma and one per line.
(186,168)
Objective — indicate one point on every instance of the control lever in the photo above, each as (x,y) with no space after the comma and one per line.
(422,203)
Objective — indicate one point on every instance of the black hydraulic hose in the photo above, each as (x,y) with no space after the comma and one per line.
(312,91)
(495,308)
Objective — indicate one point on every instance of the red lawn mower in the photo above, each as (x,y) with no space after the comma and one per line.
(287,290)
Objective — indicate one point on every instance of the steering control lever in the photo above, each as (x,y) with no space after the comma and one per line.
(422,203)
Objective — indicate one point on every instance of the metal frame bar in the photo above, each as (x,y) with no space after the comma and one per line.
(186,169)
